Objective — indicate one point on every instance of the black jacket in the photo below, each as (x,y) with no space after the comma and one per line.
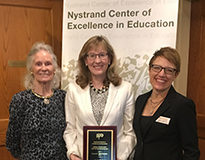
(174,136)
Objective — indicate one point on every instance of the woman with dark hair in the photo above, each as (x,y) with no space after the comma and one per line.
(164,120)
(37,117)
(98,97)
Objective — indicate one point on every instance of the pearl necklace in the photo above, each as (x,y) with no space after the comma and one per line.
(45,99)
(99,91)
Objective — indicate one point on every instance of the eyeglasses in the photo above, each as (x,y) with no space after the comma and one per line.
(92,56)
(167,70)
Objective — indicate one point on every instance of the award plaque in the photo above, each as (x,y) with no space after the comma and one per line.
(99,143)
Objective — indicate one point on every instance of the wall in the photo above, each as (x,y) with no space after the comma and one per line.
(182,45)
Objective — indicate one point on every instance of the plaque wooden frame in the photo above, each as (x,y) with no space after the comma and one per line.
(99,142)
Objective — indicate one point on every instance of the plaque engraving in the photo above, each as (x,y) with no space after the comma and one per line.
(99,143)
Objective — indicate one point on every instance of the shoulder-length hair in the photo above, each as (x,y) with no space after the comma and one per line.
(29,77)
(84,76)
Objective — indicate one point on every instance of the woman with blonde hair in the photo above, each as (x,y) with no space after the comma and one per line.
(98,97)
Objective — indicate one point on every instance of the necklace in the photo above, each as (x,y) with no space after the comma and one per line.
(45,99)
(154,105)
(99,91)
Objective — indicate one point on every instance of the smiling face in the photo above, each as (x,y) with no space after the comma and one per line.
(42,67)
(161,81)
(97,62)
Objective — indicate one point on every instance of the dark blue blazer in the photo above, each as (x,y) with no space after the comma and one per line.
(171,133)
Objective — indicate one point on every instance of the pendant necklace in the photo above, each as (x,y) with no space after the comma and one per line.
(45,98)
(154,105)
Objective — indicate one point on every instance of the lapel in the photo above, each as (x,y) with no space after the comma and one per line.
(143,102)
(163,107)
(87,107)
(112,91)
(139,107)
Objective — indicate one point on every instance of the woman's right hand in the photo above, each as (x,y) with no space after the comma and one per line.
(74,157)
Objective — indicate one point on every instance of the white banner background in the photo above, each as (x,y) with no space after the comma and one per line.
(137,28)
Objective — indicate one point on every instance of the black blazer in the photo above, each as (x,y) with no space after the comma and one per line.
(171,133)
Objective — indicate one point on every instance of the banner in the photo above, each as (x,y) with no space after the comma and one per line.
(135,29)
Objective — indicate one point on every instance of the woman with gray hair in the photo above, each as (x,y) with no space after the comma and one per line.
(37,118)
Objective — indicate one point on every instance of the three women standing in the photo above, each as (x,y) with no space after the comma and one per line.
(164,120)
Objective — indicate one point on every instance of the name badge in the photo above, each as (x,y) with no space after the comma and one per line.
(163,120)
